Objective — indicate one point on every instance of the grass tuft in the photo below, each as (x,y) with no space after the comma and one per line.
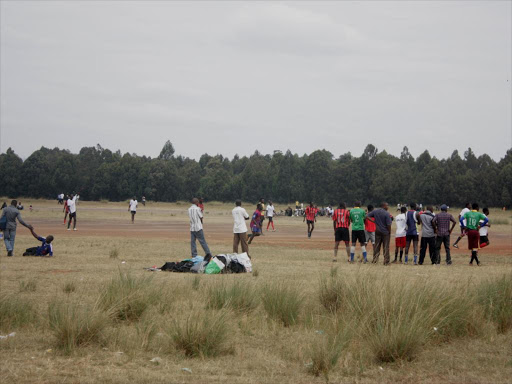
(238,296)
(15,312)
(127,297)
(114,253)
(69,287)
(28,286)
(196,282)
(201,334)
(75,325)
(282,303)
(495,297)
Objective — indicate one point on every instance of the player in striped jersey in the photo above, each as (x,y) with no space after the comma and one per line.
(310,215)
(341,222)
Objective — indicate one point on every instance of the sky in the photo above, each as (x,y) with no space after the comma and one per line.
(234,77)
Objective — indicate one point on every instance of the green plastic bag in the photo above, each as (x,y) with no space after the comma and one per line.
(214,266)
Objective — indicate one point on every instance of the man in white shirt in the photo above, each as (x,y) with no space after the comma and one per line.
(484,231)
(401,231)
(196,228)
(270,215)
(462,229)
(132,207)
(239,228)
(72,211)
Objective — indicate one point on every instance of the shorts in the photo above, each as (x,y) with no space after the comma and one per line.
(473,239)
(484,239)
(409,238)
(370,237)
(358,235)
(270,219)
(310,221)
(72,215)
(133,212)
(255,229)
(342,234)
(400,242)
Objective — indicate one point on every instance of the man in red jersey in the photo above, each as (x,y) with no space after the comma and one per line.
(310,215)
(341,222)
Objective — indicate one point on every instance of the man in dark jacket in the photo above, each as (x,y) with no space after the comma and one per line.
(11,213)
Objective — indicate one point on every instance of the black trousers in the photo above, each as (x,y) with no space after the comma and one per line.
(431,243)
(446,241)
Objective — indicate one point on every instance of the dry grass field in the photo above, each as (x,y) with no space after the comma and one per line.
(91,314)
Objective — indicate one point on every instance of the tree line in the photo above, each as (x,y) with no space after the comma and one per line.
(99,173)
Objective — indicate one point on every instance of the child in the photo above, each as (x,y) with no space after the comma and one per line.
(401,231)
(44,250)
(484,240)
(256,223)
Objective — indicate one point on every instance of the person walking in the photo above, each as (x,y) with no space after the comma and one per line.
(196,228)
(132,207)
(240,215)
(310,218)
(443,231)
(428,238)
(382,220)
(256,223)
(12,214)
(466,209)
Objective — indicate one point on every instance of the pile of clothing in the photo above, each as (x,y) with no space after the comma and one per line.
(223,263)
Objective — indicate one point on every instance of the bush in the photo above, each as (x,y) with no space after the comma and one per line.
(495,297)
(201,334)
(75,325)
(127,297)
(239,296)
(15,312)
(282,303)
(114,253)
(28,286)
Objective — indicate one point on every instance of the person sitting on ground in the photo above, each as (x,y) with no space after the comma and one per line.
(44,250)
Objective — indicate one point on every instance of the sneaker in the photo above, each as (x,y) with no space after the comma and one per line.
(69,229)
(455,246)
(9,253)
(74,229)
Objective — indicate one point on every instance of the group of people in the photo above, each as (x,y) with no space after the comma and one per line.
(425,229)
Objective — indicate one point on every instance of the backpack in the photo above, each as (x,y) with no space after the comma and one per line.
(3,223)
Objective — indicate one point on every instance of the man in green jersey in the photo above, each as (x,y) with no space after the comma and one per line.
(357,217)
(473,224)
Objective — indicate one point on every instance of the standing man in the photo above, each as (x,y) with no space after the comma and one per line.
(357,218)
(65,209)
(310,217)
(132,207)
(473,225)
(72,211)
(465,210)
(412,218)
(427,236)
(270,215)
(11,213)
(382,220)
(240,229)
(400,234)
(196,228)
(144,200)
(341,222)
(443,232)
(484,230)
(256,223)
(263,210)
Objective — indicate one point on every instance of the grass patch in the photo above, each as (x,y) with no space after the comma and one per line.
(238,296)
(69,287)
(196,282)
(28,286)
(495,297)
(282,303)
(15,312)
(75,325)
(114,253)
(127,297)
(201,334)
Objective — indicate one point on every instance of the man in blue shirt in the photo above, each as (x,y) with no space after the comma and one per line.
(44,250)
